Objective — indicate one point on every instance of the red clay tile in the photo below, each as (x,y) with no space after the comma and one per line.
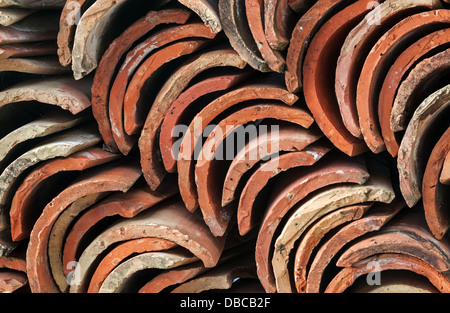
(233,17)
(377,63)
(137,88)
(186,162)
(426,77)
(132,108)
(242,117)
(312,237)
(248,208)
(105,72)
(44,65)
(292,186)
(122,278)
(169,220)
(129,95)
(303,32)
(26,197)
(13,273)
(279,20)
(169,279)
(320,96)
(207,10)
(376,218)
(116,178)
(300,6)
(434,193)
(127,205)
(402,65)
(387,262)
(57,235)
(287,139)
(67,26)
(209,175)
(424,130)
(221,277)
(184,106)
(357,46)
(31,49)
(111,17)
(61,91)
(378,188)
(407,234)
(255,14)
(151,163)
(60,145)
(445,174)
(121,252)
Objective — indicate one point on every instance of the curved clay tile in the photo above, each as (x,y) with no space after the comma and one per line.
(445,174)
(24,50)
(235,27)
(301,6)
(31,4)
(303,32)
(377,63)
(373,221)
(247,211)
(408,234)
(103,20)
(426,77)
(133,110)
(116,281)
(9,16)
(312,237)
(63,91)
(13,273)
(241,118)
(290,188)
(122,252)
(185,162)
(53,122)
(358,44)
(209,178)
(128,105)
(26,197)
(57,235)
(424,130)
(207,10)
(43,65)
(402,65)
(151,164)
(434,193)
(185,105)
(41,26)
(99,180)
(284,138)
(386,262)
(60,145)
(127,205)
(377,189)
(70,15)
(221,277)
(105,72)
(255,14)
(319,93)
(169,220)
(279,20)
(168,280)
